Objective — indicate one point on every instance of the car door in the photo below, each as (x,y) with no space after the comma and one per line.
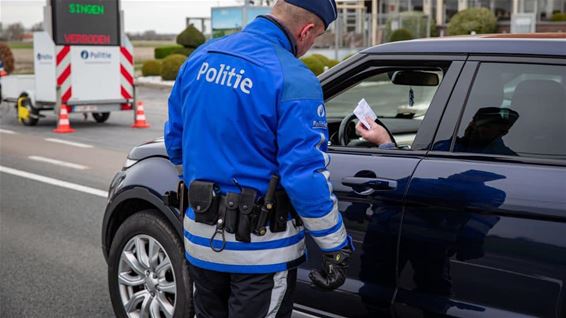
(483,229)
(369,182)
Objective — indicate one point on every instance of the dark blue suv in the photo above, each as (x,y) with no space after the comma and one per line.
(464,217)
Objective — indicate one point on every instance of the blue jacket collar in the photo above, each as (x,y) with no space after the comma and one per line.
(269,27)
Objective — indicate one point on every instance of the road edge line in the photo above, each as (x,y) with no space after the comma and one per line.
(59,163)
(55,182)
(8,132)
(68,143)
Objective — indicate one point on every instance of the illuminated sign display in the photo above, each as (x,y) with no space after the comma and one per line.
(86,22)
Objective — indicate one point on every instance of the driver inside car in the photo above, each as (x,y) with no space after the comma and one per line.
(483,134)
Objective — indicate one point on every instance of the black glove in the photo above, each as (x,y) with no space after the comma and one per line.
(333,273)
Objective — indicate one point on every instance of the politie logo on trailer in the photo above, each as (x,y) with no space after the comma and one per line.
(44,57)
(93,55)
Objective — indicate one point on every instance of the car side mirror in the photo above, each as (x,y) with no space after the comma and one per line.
(415,78)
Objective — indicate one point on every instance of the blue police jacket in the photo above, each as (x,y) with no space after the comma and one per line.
(242,109)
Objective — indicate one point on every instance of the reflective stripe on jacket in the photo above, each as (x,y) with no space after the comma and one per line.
(242,109)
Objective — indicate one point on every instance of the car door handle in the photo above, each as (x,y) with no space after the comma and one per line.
(368,185)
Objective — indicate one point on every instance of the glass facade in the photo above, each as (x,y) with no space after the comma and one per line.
(451,9)
(503,9)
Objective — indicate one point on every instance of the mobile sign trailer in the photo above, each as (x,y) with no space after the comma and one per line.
(83,61)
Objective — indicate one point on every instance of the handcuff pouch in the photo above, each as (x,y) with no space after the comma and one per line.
(204,201)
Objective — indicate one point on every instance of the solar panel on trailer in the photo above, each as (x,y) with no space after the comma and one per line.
(86,22)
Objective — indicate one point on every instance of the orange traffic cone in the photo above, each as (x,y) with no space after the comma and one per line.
(63,124)
(140,117)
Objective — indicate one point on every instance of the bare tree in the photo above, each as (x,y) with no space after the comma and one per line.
(150,35)
(14,31)
(37,27)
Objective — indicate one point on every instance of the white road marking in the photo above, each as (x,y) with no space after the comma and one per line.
(5,131)
(69,143)
(55,182)
(58,162)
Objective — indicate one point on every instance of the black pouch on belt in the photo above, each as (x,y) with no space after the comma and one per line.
(231,217)
(247,217)
(278,222)
(204,201)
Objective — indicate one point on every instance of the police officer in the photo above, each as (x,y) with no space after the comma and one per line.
(242,110)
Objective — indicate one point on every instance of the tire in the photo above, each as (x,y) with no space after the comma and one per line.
(32,115)
(100,117)
(167,288)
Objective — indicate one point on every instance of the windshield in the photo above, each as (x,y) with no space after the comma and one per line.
(387,99)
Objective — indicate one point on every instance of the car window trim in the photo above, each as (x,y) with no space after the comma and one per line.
(496,158)
(340,74)
(517,59)
(368,66)
(434,115)
(375,151)
(454,109)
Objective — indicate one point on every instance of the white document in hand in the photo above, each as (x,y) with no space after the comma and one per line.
(363,111)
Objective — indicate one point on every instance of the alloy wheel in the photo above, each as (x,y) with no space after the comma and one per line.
(146,279)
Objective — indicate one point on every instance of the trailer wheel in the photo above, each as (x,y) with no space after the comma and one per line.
(27,115)
(100,117)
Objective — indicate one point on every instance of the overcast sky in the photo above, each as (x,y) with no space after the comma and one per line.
(164,16)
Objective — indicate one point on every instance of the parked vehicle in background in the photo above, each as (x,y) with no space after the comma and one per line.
(83,60)
(464,218)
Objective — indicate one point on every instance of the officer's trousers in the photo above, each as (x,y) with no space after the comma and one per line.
(219,295)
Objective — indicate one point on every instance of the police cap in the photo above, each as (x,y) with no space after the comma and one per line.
(324,9)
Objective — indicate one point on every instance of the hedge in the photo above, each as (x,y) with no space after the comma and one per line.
(184,51)
(401,35)
(478,20)
(190,37)
(170,66)
(164,51)
(332,63)
(314,64)
(415,22)
(323,59)
(558,17)
(151,68)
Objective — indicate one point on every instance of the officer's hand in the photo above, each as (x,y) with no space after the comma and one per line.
(377,134)
(333,273)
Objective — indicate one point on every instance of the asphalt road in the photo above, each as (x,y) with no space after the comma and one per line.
(51,263)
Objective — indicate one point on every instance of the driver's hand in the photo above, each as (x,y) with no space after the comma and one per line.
(376,134)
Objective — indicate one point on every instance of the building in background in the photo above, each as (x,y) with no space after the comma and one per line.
(363,23)
(443,10)
(228,20)
(203,24)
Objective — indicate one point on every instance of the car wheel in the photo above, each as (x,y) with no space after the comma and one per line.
(147,272)
(101,117)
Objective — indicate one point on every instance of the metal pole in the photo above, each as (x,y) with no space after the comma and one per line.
(336,38)
(245,13)
(428,26)
(135,105)
(58,101)
(374,15)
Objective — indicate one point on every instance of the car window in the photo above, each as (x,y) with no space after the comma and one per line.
(401,107)
(515,110)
